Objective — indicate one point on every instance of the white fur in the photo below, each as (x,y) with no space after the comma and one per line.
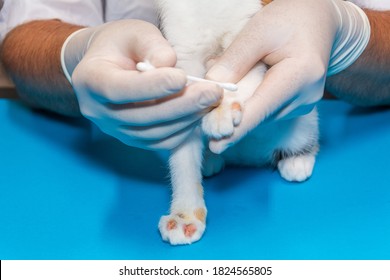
(200,30)
(297,168)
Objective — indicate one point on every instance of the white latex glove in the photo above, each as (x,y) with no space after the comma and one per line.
(298,39)
(151,110)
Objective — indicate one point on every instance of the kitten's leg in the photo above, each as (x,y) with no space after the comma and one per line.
(187,219)
(296,161)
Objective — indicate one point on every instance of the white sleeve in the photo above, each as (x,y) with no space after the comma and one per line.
(380,5)
(134,9)
(81,12)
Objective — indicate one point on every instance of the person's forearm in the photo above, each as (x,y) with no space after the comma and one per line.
(367,81)
(31,57)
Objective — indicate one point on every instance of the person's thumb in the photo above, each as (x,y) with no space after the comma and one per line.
(150,45)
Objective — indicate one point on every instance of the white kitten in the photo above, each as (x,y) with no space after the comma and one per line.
(200,30)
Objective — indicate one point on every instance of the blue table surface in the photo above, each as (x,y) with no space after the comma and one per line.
(67,194)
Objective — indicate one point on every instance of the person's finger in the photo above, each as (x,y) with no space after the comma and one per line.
(244,52)
(108,69)
(152,46)
(194,99)
(293,111)
(113,84)
(168,143)
(160,131)
(274,95)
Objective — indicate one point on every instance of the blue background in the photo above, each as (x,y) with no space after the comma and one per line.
(67,194)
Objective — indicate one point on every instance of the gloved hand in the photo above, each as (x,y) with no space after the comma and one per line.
(151,110)
(299,40)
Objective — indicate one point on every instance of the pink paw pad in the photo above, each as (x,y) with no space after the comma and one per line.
(189,230)
(236,106)
(172,224)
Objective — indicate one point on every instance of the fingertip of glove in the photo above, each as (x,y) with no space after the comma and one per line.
(174,79)
(210,95)
(218,147)
(219,73)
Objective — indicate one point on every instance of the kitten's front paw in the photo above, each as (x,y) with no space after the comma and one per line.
(220,122)
(296,169)
(183,228)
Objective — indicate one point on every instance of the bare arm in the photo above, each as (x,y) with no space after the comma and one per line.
(31,56)
(367,81)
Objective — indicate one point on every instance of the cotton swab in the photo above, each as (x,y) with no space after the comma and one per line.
(146,66)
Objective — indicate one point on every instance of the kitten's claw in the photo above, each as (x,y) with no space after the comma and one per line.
(236,113)
(179,229)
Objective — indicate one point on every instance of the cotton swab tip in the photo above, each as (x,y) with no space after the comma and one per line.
(228,86)
(144,66)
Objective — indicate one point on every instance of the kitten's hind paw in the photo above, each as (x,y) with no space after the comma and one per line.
(180,229)
(297,168)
